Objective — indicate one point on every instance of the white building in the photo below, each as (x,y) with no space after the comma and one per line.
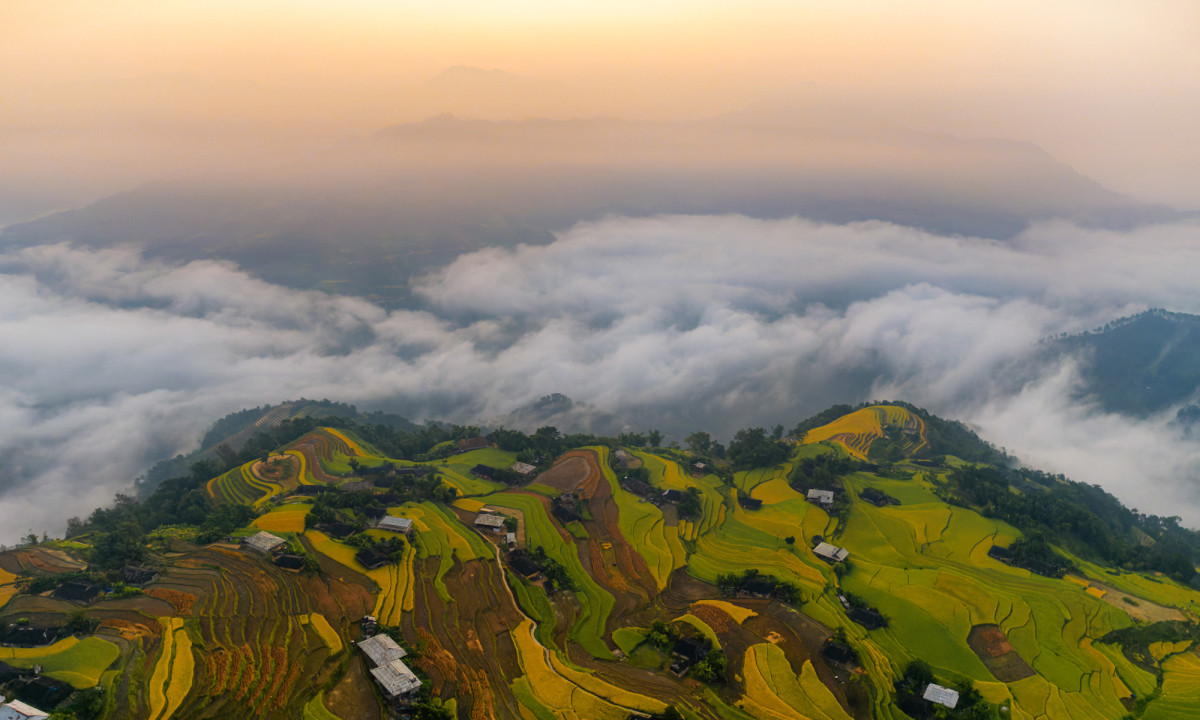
(824,498)
(393,676)
(941,695)
(831,553)
(488,520)
(17,710)
(524,469)
(263,542)
(396,524)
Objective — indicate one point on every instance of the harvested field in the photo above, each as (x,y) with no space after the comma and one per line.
(998,654)
(570,472)
(1139,609)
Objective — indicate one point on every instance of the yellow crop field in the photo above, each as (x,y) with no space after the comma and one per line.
(343,554)
(469,504)
(182,670)
(774,691)
(1096,592)
(80,663)
(737,612)
(553,690)
(353,446)
(606,690)
(7,586)
(328,635)
(395,588)
(162,668)
(855,432)
(1161,650)
(775,490)
(289,518)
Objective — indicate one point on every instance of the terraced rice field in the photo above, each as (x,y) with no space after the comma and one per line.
(855,432)
(78,662)
(595,602)
(775,692)
(285,519)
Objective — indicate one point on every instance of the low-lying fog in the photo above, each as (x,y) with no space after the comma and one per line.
(675,322)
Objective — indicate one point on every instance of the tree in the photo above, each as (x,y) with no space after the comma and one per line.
(751,448)
(125,544)
(654,437)
(699,442)
(790,539)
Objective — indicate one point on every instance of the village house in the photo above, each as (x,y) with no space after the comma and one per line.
(17,710)
(263,542)
(831,554)
(941,695)
(524,469)
(640,488)
(750,503)
(523,564)
(138,574)
(490,520)
(393,676)
(371,559)
(821,498)
(484,471)
(396,524)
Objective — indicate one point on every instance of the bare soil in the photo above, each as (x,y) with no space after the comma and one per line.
(998,654)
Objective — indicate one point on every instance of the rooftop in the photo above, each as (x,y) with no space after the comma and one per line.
(831,552)
(17,710)
(524,468)
(941,695)
(824,497)
(395,678)
(381,649)
(488,520)
(263,542)
(395,524)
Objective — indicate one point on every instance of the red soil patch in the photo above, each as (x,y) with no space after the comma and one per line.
(181,600)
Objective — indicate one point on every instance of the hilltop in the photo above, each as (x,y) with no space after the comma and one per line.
(846,569)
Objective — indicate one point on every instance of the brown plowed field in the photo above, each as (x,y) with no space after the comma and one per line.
(571,471)
(464,645)
(314,446)
(998,654)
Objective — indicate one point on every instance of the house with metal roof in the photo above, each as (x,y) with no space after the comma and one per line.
(17,710)
(524,469)
(831,553)
(941,695)
(824,498)
(490,520)
(393,676)
(396,679)
(264,542)
(381,649)
(395,524)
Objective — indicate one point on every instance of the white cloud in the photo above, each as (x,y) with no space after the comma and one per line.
(683,322)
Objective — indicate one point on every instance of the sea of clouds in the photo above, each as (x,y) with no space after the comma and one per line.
(112,361)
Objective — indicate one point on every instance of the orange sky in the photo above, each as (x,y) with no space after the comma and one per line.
(1111,88)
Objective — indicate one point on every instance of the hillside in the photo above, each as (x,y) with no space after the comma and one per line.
(1140,364)
(872,561)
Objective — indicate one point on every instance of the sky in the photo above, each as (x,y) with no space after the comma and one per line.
(1112,89)
(116,356)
